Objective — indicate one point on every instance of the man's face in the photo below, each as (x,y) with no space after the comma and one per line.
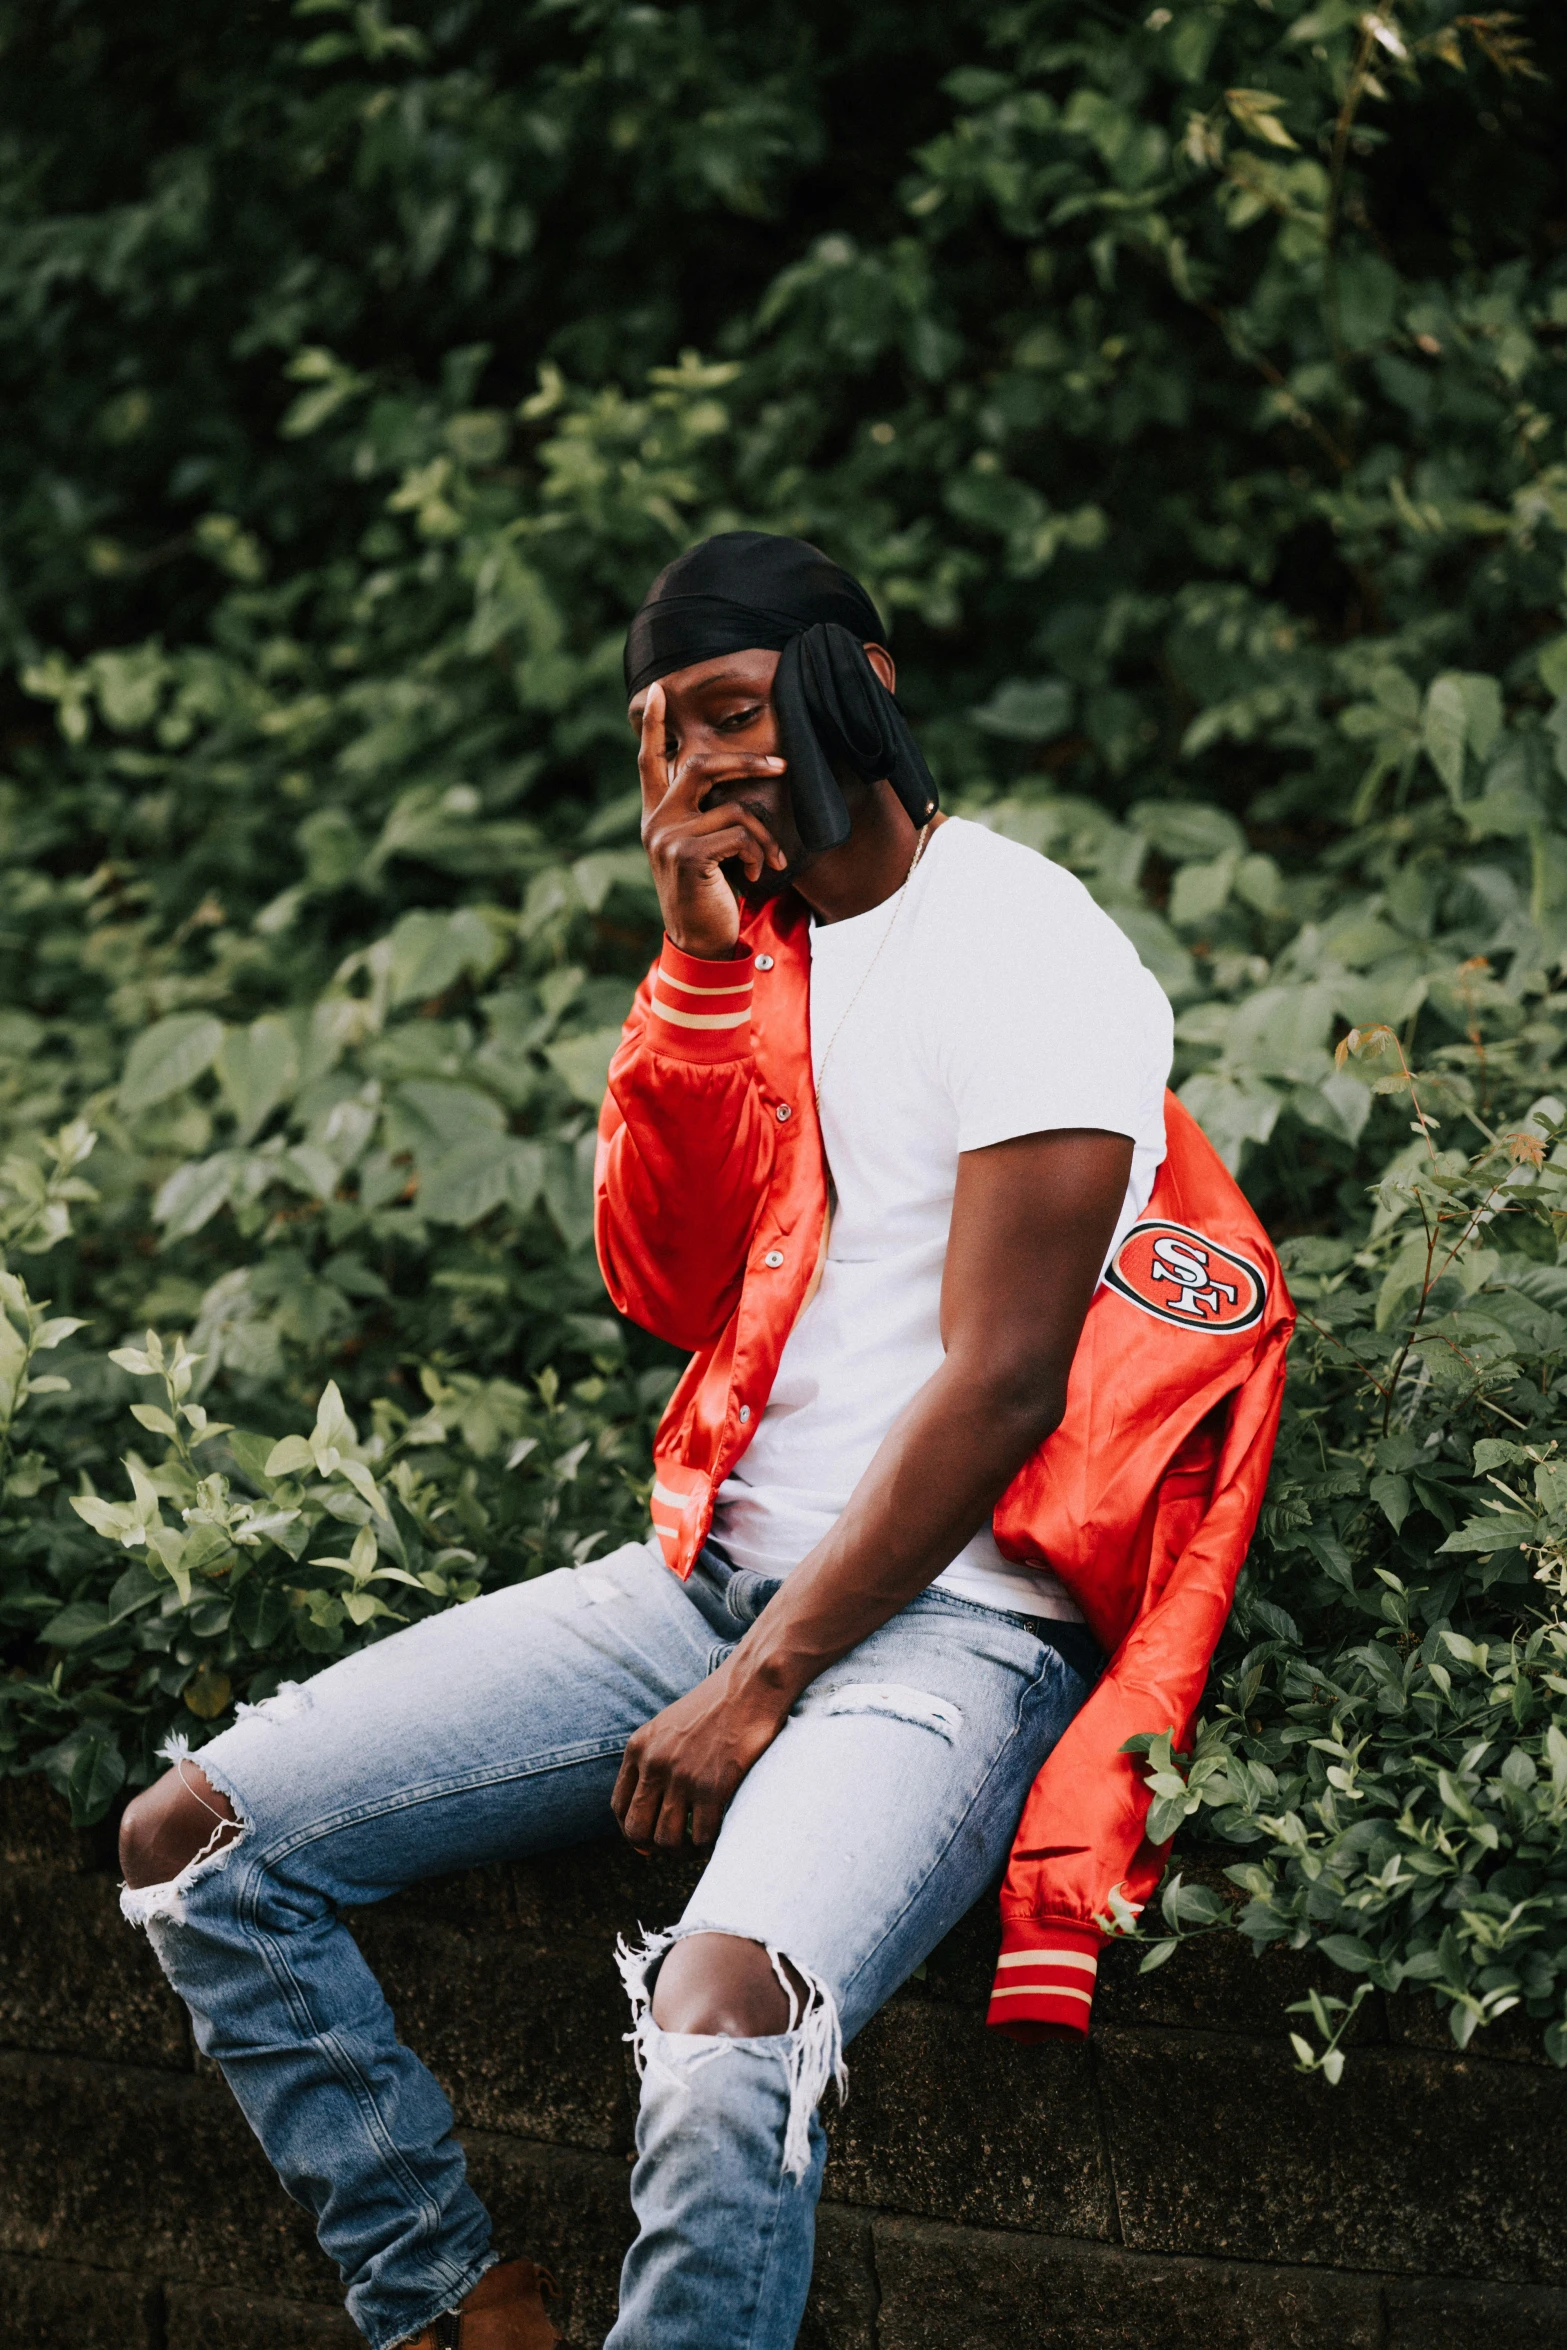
(719,708)
(714,711)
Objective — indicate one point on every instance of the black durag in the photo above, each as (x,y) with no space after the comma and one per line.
(748,588)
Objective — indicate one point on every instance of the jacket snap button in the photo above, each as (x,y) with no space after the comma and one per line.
(745,1413)
(774,1256)
(764,962)
(784,1112)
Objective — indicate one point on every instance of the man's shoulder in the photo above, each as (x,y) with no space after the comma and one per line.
(1012,881)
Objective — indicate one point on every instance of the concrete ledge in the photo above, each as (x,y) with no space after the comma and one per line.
(952,2121)
(944,2286)
(60,2307)
(1415,2163)
(1439,2315)
(1176,2185)
(75,1981)
(145,2172)
(198,2320)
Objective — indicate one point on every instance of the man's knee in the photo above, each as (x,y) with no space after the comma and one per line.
(170,1823)
(721,1983)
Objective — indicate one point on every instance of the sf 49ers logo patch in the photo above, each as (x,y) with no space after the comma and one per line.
(1180,1276)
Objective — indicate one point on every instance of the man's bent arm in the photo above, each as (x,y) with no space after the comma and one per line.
(685,1150)
(1032,1220)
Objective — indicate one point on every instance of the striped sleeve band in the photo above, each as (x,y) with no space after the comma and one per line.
(680,1512)
(701,1010)
(1044,1977)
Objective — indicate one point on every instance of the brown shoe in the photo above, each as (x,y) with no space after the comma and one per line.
(505,2311)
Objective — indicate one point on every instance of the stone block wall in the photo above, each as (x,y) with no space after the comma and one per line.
(1175,2185)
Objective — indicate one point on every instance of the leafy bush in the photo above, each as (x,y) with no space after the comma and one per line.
(1188,386)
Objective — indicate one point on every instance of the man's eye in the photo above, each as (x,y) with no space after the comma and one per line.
(738,719)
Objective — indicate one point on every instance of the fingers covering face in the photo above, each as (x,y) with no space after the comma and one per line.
(652,765)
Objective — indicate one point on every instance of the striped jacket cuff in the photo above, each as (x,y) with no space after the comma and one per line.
(701,1010)
(1044,1977)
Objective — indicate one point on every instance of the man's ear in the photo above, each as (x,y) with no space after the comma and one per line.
(883,664)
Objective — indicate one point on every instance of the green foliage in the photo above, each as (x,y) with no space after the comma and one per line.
(1188,386)
(1405,1779)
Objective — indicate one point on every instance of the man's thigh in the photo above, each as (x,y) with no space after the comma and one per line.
(889,1801)
(493,1728)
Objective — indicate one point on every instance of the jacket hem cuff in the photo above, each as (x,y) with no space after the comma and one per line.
(1044,1979)
(700,1010)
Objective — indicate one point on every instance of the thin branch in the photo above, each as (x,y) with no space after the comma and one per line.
(1296,410)
(1333,1339)
(1354,91)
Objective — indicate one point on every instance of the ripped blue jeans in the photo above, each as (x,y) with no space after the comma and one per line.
(878,1815)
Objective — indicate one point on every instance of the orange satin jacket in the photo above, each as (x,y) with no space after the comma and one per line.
(711,1199)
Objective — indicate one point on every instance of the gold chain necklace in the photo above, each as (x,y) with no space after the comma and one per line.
(897,907)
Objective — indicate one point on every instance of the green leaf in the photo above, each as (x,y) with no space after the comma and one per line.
(83,1620)
(1330,1554)
(1232,1111)
(333,1426)
(257,1068)
(252,1452)
(1551,661)
(1502,1532)
(1348,1951)
(1191,1905)
(167,1057)
(49,1335)
(1187,831)
(97,1775)
(430,952)
(1027,711)
(207,1693)
(1392,1496)
(149,1416)
(1257,111)
(1463,710)
(112,1519)
(1165,1815)
(290,1456)
(261,1611)
(13,1366)
(485,1173)
(583,1062)
(1275,1621)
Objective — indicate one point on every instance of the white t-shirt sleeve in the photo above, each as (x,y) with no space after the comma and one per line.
(1046,1017)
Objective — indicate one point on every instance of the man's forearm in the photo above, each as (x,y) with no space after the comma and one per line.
(1031,1224)
(931,1486)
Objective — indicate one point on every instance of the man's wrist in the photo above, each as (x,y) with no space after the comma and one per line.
(767,1681)
(703,949)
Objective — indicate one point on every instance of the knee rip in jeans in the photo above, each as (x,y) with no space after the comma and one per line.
(164,1904)
(892,1698)
(814,2035)
(288,1701)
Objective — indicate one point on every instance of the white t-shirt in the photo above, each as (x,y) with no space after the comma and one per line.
(1002,1001)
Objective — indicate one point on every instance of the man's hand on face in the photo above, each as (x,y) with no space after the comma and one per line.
(688,844)
(686,1763)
